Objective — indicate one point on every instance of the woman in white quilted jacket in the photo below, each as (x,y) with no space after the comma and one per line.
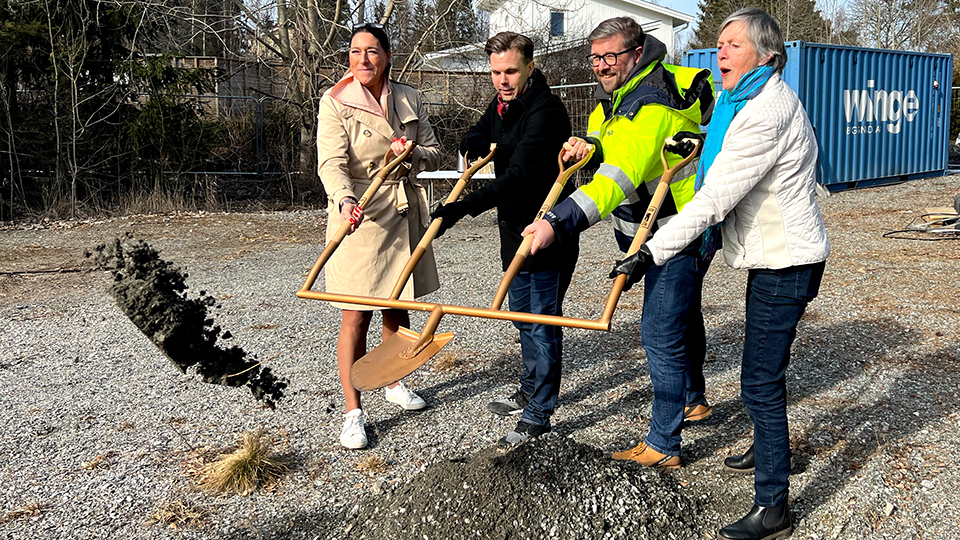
(757,184)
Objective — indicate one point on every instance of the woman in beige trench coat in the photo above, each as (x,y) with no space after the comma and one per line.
(360,118)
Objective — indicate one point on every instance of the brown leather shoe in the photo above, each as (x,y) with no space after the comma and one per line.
(648,457)
(697,412)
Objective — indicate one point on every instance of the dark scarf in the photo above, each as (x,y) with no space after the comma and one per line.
(502,105)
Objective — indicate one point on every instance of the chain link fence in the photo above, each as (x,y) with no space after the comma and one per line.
(451,121)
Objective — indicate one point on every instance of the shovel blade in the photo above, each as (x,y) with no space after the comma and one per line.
(392,360)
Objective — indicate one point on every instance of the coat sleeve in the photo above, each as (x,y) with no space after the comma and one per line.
(631,158)
(750,150)
(476,142)
(546,126)
(427,152)
(332,146)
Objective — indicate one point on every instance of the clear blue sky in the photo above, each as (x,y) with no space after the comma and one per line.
(683,6)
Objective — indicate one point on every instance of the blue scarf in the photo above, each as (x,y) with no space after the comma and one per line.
(728,106)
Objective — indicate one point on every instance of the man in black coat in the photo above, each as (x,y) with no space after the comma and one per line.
(529,125)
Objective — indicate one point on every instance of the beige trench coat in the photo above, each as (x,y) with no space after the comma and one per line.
(351,145)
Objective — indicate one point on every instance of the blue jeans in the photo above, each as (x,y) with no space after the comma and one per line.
(541,345)
(776,299)
(673,336)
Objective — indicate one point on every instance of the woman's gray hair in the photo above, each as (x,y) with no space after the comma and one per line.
(764,33)
(619,26)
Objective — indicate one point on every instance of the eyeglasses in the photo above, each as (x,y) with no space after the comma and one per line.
(609,59)
(364,26)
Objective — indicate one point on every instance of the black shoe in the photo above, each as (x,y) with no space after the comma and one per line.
(521,434)
(761,524)
(511,405)
(740,464)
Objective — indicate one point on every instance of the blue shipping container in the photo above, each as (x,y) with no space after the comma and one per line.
(880,115)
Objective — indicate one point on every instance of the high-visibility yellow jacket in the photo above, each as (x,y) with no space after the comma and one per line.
(629,129)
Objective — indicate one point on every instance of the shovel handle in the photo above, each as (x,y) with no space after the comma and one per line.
(431,233)
(388,167)
(524,250)
(646,224)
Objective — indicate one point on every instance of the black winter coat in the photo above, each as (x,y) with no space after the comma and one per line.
(529,138)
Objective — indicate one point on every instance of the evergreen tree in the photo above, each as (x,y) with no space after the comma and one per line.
(798,20)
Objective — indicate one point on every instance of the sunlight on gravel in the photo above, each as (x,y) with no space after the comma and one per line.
(104,437)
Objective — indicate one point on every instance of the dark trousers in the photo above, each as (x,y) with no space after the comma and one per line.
(541,345)
(776,299)
(674,340)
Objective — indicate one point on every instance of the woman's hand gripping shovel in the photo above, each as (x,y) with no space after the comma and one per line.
(405,351)
(431,233)
(648,218)
(388,167)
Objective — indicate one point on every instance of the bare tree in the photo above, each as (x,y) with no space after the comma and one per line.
(920,25)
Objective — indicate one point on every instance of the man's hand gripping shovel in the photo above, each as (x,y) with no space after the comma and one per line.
(406,350)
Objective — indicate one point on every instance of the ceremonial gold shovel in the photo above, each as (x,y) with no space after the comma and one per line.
(405,351)
(435,224)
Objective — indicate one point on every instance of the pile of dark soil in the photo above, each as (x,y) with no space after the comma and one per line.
(553,487)
(152,293)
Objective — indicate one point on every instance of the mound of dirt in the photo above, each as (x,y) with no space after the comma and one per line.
(152,293)
(553,487)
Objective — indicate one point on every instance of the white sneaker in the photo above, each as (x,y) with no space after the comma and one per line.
(405,397)
(352,435)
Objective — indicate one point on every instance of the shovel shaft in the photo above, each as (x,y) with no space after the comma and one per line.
(344,229)
(434,227)
(482,313)
(645,225)
(524,250)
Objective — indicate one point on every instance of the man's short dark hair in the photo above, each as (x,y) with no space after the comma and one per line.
(619,26)
(505,41)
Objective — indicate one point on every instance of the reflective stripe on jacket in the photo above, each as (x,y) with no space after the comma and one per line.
(629,131)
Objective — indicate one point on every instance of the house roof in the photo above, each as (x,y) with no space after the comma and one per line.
(678,17)
(430,60)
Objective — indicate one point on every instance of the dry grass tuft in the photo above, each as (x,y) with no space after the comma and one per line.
(251,466)
(178,515)
(264,326)
(373,464)
(31,510)
(446,360)
(102,461)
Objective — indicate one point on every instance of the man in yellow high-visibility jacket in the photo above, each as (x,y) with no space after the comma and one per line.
(642,102)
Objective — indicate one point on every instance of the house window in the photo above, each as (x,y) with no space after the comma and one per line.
(556,23)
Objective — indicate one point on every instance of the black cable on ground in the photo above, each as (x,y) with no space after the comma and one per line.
(950,228)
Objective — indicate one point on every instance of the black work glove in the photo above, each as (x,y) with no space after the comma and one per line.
(474,146)
(634,266)
(682,143)
(451,213)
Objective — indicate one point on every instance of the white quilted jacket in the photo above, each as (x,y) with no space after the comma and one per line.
(761,186)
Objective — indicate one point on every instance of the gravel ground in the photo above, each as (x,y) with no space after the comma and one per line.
(103,437)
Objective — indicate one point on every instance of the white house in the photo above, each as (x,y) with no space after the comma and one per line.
(561,23)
